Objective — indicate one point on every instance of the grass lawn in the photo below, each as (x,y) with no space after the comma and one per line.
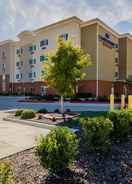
(76,123)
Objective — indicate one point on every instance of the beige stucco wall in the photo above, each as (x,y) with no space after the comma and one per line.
(52,33)
(129,57)
(8,60)
(107,58)
(89,45)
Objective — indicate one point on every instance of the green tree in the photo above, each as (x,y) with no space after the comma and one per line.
(63,69)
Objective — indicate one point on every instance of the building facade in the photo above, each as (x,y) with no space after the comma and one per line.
(21,61)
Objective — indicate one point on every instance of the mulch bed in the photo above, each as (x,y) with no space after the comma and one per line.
(90,168)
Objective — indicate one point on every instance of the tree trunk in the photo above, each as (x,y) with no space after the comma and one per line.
(62,104)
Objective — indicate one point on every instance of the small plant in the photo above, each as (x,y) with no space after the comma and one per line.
(42,110)
(96,132)
(56,111)
(19,112)
(57,150)
(68,110)
(27,114)
(121,121)
(6,174)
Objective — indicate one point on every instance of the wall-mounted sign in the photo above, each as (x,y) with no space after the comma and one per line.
(107,41)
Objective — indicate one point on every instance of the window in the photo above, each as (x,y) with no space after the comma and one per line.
(64,36)
(43,58)
(21,63)
(18,75)
(32,75)
(116,60)
(32,48)
(17,64)
(19,51)
(116,74)
(116,46)
(32,61)
(43,42)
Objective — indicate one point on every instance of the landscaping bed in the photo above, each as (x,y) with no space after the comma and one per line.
(72,121)
(114,168)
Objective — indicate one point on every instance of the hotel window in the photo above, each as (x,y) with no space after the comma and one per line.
(43,42)
(116,60)
(18,76)
(116,46)
(32,61)
(17,64)
(21,63)
(32,48)
(43,58)
(17,51)
(64,36)
(116,74)
(32,75)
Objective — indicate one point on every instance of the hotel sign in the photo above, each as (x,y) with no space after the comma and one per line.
(107,41)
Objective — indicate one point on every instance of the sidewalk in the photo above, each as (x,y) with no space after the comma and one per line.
(15,137)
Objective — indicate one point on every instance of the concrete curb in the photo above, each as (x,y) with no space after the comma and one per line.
(30,123)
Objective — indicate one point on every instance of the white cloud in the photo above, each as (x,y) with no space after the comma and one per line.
(18,15)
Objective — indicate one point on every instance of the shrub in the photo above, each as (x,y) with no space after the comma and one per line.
(56,111)
(19,112)
(121,121)
(57,150)
(96,132)
(27,114)
(42,110)
(6,174)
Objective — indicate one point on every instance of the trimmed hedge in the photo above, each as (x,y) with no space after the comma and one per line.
(57,150)
(27,114)
(122,120)
(44,110)
(96,132)
(19,112)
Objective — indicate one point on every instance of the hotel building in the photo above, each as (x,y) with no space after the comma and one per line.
(21,61)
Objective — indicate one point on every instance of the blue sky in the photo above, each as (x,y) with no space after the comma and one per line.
(19,15)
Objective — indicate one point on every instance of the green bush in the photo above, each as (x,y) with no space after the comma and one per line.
(96,132)
(57,150)
(6,174)
(27,114)
(130,120)
(121,121)
(19,112)
(42,110)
